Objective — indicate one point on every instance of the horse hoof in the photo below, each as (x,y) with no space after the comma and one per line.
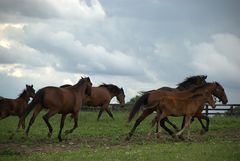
(67,132)
(174,136)
(127,138)
(181,137)
(203,131)
(49,135)
(59,139)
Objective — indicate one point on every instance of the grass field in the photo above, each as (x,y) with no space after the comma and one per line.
(104,140)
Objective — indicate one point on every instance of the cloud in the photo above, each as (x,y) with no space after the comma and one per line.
(139,46)
(218,57)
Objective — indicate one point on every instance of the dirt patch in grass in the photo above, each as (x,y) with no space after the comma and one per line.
(49,145)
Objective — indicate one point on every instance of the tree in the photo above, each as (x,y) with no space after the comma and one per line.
(234,111)
(131,102)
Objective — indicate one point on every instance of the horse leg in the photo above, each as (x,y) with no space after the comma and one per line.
(23,123)
(61,127)
(46,118)
(144,114)
(187,120)
(4,114)
(100,113)
(35,113)
(172,124)
(109,112)
(75,117)
(162,124)
(204,128)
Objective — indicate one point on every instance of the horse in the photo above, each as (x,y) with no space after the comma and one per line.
(15,107)
(177,105)
(147,98)
(102,95)
(58,100)
(188,83)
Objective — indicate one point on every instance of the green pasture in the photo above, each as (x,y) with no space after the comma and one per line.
(104,140)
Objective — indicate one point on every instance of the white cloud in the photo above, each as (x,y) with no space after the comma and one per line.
(79,9)
(219,57)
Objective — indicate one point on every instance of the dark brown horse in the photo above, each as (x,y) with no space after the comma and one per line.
(59,100)
(15,107)
(147,99)
(102,95)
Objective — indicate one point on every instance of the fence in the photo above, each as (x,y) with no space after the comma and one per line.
(222,110)
(219,110)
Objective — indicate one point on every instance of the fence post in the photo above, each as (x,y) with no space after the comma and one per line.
(207,110)
(231,110)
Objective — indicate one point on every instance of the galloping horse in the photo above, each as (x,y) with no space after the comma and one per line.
(102,95)
(152,98)
(59,100)
(178,104)
(15,107)
(188,83)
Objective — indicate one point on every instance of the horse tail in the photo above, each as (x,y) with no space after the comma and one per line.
(143,100)
(36,100)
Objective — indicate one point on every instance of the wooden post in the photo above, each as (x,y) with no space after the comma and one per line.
(207,110)
(231,110)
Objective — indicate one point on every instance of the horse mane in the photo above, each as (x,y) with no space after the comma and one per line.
(189,81)
(199,87)
(65,85)
(24,92)
(79,83)
(111,88)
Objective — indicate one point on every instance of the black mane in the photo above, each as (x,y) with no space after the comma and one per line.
(24,92)
(191,81)
(111,88)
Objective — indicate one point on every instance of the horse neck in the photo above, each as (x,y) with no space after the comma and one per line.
(80,88)
(209,87)
(24,96)
(112,94)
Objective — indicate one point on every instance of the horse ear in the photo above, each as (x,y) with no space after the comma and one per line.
(205,77)
(31,86)
(27,86)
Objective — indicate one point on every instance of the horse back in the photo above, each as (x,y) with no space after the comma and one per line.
(99,96)
(60,98)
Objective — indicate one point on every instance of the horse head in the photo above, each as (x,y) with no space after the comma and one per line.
(88,91)
(121,97)
(30,90)
(210,100)
(220,93)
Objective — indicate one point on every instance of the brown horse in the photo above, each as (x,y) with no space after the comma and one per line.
(59,100)
(177,105)
(188,83)
(102,95)
(152,98)
(15,107)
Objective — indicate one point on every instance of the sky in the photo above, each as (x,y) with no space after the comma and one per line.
(136,45)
